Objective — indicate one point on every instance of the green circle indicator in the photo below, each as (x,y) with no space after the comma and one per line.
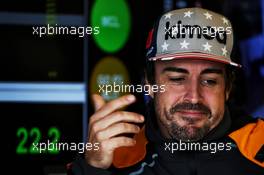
(113,19)
(108,78)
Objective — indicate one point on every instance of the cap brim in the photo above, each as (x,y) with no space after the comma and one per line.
(195,55)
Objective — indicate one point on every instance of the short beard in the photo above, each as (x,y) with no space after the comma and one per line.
(187,134)
(184,133)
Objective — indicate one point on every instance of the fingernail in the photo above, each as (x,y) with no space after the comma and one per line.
(141,118)
(130,97)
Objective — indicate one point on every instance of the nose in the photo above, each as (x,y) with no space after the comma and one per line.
(193,92)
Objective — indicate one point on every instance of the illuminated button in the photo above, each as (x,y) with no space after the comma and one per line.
(109,78)
(113,19)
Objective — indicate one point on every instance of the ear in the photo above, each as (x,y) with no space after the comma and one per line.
(227,93)
(151,94)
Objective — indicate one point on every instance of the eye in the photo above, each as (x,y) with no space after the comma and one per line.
(209,82)
(177,79)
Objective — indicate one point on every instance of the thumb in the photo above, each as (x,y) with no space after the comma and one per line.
(98,101)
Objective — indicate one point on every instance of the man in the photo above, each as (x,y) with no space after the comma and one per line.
(188,129)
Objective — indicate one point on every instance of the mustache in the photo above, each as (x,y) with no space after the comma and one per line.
(190,106)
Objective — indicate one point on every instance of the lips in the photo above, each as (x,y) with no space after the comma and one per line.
(192,113)
(198,109)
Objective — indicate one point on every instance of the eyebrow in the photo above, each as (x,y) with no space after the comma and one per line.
(175,69)
(181,70)
(212,71)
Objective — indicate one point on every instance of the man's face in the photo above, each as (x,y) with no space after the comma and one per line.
(193,102)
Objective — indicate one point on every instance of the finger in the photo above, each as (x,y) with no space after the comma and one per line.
(117,142)
(112,106)
(116,129)
(117,117)
(98,101)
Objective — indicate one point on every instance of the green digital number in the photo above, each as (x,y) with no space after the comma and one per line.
(21,149)
(55,133)
(34,132)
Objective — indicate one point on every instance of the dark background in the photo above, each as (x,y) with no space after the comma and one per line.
(70,60)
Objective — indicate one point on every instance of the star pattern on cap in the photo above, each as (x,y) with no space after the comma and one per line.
(168,16)
(188,43)
(224,51)
(208,16)
(184,45)
(225,21)
(207,47)
(164,46)
(188,14)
